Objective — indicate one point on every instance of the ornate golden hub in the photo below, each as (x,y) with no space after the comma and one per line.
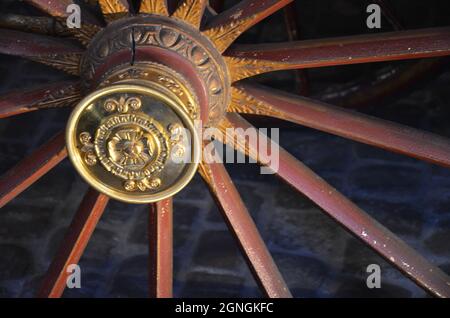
(135,37)
(155,75)
(134,143)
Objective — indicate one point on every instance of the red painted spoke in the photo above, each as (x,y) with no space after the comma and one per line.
(244,229)
(225,27)
(32,168)
(336,205)
(48,96)
(342,122)
(160,232)
(41,25)
(191,11)
(32,45)
(401,45)
(56,8)
(57,53)
(254,9)
(74,243)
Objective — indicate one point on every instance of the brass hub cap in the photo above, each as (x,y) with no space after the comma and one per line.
(134,143)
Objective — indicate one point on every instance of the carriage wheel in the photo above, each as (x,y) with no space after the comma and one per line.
(147,76)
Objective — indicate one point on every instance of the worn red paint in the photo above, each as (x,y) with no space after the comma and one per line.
(160,241)
(32,168)
(244,229)
(355,220)
(73,244)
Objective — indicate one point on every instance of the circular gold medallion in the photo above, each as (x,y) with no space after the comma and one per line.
(133,143)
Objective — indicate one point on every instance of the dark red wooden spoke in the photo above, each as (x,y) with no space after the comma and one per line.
(32,168)
(256,10)
(293,31)
(74,243)
(58,9)
(401,45)
(225,27)
(48,96)
(41,25)
(57,53)
(34,45)
(345,123)
(244,229)
(336,205)
(160,235)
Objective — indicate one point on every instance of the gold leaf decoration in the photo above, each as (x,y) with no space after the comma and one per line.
(85,33)
(154,7)
(223,36)
(206,174)
(69,63)
(241,68)
(59,98)
(191,11)
(244,103)
(235,139)
(113,9)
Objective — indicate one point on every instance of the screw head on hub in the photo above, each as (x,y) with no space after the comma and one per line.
(133,143)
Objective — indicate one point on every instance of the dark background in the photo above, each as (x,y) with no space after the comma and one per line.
(316,256)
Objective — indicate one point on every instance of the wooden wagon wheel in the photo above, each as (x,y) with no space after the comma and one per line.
(189,66)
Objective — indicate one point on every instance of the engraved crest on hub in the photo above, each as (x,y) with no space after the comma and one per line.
(132,146)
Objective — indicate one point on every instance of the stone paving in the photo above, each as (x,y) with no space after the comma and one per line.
(316,257)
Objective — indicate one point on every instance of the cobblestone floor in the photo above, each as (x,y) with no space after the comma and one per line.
(316,257)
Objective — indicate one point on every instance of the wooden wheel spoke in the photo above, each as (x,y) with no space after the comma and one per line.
(33,24)
(48,96)
(154,7)
(49,26)
(249,60)
(53,8)
(74,243)
(114,9)
(346,213)
(58,9)
(191,11)
(160,232)
(342,122)
(228,25)
(60,54)
(32,168)
(244,229)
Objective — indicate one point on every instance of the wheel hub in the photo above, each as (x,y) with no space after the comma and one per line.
(133,138)
(134,143)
